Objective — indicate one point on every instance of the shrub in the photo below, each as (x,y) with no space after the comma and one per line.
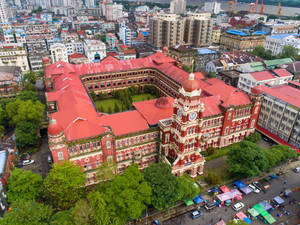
(212,178)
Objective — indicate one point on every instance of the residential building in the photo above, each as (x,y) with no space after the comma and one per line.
(205,55)
(74,47)
(143,51)
(35,57)
(126,34)
(195,115)
(279,117)
(113,11)
(178,6)
(95,50)
(77,58)
(276,43)
(212,7)
(184,54)
(14,36)
(3,12)
(230,77)
(111,41)
(275,63)
(231,60)
(14,55)
(216,34)
(10,80)
(268,77)
(58,52)
(242,41)
(294,68)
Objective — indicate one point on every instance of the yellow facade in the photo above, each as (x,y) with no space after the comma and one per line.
(216,34)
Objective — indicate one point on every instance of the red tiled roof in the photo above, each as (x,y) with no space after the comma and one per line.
(286,93)
(76,56)
(152,113)
(262,75)
(282,72)
(276,138)
(211,106)
(125,122)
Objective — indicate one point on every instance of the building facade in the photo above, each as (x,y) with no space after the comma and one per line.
(194,115)
(58,52)
(178,6)
(14,55)
(10,80)
(95,50)
(212,7)
(3,12)
(239,40)
(279,117)
(276,43)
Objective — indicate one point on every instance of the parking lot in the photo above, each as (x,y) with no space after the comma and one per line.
(291,179)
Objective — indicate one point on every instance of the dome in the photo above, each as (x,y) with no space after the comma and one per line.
(163,103)
(54,128)
(165,49)
(256,90)
(191,84)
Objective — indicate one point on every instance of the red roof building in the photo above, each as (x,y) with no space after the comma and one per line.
(217,113)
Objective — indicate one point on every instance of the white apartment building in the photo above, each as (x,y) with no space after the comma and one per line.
(113,12)
(268,77)
(177,6)
(95,50)
(125,34)
(3,11)
(276,43)
(14,36)
(59,52)
(74,46)
(14,55)
(212,7)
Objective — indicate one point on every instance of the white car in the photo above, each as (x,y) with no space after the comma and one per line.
(254,189)
(238,206)
(28,162)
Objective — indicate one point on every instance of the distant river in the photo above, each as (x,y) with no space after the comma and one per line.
(269,9)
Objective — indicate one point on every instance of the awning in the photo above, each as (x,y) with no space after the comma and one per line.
(247,220)
(234,193)
(239,184)
(259,208)
(253,212)
(287,192)
(278,200)
(266,205)
(270,219)
(198,199)
(246,190)
(221,222)
(240,215)
(188,202)
(224,189)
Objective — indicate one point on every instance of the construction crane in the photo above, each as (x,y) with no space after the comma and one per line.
(279,9)
(232,5)
(253,7)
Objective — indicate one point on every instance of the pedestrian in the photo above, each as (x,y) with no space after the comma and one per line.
(212,221)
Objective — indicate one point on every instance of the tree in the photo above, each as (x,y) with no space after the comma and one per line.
(63,185)
(127,195)
(20,110)
(254,137)
(274,157)
(62,218)
(107,171)
(31,77)
(262,53)
(116,108)
(210,151)
(289,52)
(212,178)
(212,74)
(186,68)
(28,213)
(26,134)
(28,95)
(165,188)
(188,187)
(83,213)
(93,96)
(102,37)
(287,152)
(246,159)
(24,185)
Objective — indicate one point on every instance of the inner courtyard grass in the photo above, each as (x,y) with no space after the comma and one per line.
(108,105)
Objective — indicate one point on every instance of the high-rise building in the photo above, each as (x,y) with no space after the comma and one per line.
(177,6)
(126,34)
(3,11)
(212,7)
(171,30)
(113,11)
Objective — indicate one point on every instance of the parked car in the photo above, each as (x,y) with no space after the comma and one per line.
(28,162)
(297,169)
(257,185)
(238,206)
(49,159)
(155,222)
(196,214)
(254,189)
(210,205)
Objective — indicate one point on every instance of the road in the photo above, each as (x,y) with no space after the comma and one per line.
(227,213)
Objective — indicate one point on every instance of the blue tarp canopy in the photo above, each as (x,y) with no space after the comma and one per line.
(246,190)
(239,184)
(278,200)
(266,205)
(198,199)
(247,220)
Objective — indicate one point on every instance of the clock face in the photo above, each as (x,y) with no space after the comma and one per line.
(193,116)
(179,113)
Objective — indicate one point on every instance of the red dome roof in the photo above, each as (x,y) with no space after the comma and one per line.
(54,128)
(191,84)
(163,103)
(256,90)
(165,49)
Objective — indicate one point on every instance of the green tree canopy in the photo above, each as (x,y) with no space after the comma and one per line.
(28,95)
(31,77)
(107,171)
(287,152)
(62,218)
(83,213)
(28,213)
(261,52)
(289,51)
(128,194)
(63,185)
(26,134)
(24,185)
(246,159)
(254,137)
(20,110)
(188,187)
(165,188)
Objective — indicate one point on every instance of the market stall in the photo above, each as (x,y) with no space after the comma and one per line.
(259,208)
(267,206)
(278,201)
(269,219)
(232,194)
(239,184)
(198,199)
(253,212)
(246,190)
(241,216)
(224,189)
(221,222)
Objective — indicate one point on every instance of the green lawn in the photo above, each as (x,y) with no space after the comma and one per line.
(110,102)
(142,97)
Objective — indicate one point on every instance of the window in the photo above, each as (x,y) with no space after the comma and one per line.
(229,116)
(60,156)
(167,137)
(252,123)
(226,130)
(108,144)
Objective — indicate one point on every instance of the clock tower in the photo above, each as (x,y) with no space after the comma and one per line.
(181,148)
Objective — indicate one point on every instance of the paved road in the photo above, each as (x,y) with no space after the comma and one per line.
(277,185)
